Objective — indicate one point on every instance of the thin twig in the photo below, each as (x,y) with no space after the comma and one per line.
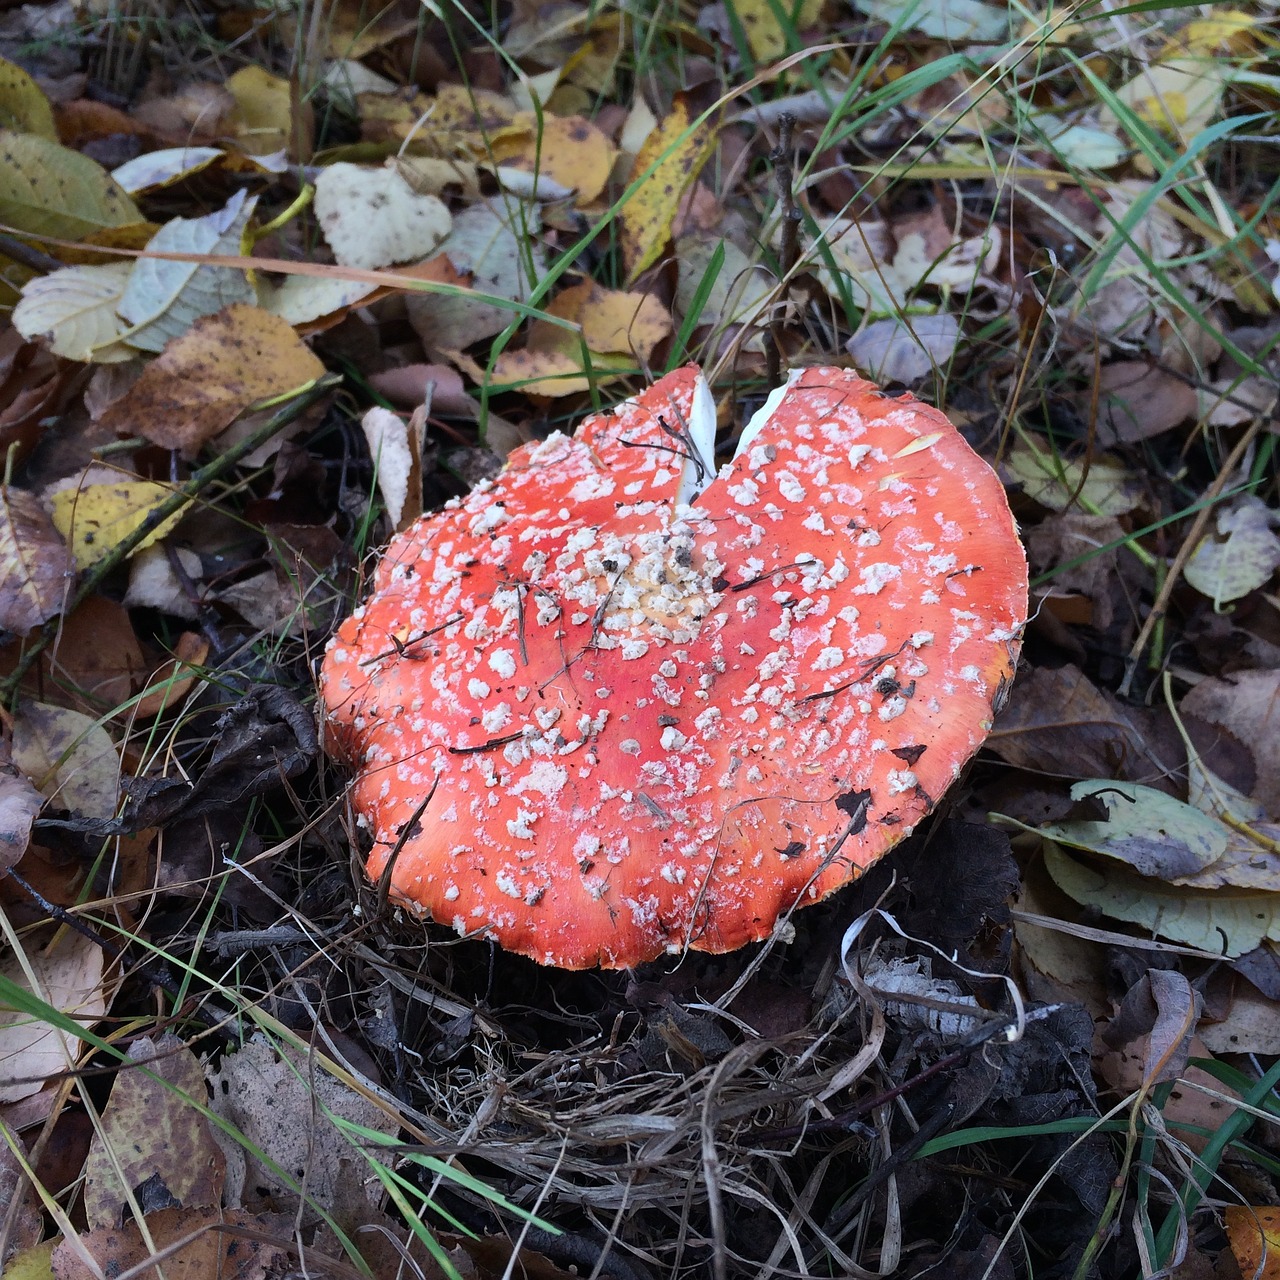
(174,503)
(789,245)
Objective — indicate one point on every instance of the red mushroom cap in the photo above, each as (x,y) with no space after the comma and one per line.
(645,725)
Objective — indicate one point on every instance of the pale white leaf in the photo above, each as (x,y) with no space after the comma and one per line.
(68,979)
(943,19)
(302,299)
(493,243)
(161,168)
(1240,556)
(164,298)
(74,310)
(388,439)
(896,350)
(373,218)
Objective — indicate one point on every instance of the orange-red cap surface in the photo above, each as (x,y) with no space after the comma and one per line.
(646,725)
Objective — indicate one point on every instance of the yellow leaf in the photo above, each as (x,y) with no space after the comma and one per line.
(263,116)
(205,378)
(95,519)
(571,151)
(766,36)
(548,371)
(612,321)
(1254,1235)
(676,152)
(456,123)
(1224,30)
(595,63)
(23,106)
(1178,95)
(50,190)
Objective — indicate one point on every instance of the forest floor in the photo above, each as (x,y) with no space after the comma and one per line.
(275,280)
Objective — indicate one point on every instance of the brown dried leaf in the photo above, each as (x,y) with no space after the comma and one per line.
(152,1142)
(203,1250)
(1248,706)
(69,757)
(35,566)
(1140,400)
(205,378)
(172,680)
(27,1216)
(1059,723)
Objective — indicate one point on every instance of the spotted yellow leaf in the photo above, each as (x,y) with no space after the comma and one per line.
(95,519)
(571,151)
(766,23)
(675,152)
(1253,1231)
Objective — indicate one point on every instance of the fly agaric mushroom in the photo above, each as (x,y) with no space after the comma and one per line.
(649,707)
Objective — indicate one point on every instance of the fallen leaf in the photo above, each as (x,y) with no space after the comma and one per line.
(47,189)
(152,1143)
(1104,488)
(96,518)
(1254,1235)
(300,300)
(19,804)
(173,680)
(1081,146)
(739,292)
(1154,833)
(1179,95)
(1240,555)
(75,311)
(767,25)
(204,379)
(1141,400)
(395,461)
(1247,705)
(373,218)
(943,19)
(36,570)
(540,373)
(409,386)
(154,584)
(261,1090)
(675,152)
(263,120)
(23,106)
(68,977)
(24,1213)
(905,350)
(571,151)
(1061,724)
(1247,1025)
(69,758)
(493,243)
(612,321)
(164,298)
(1228,922)
(96,661)
(1198,1102)
(156,169)
(190,1241)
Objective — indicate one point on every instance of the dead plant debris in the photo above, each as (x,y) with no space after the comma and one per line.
(276,279)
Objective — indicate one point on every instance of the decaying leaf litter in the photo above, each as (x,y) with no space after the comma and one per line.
(278,280)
